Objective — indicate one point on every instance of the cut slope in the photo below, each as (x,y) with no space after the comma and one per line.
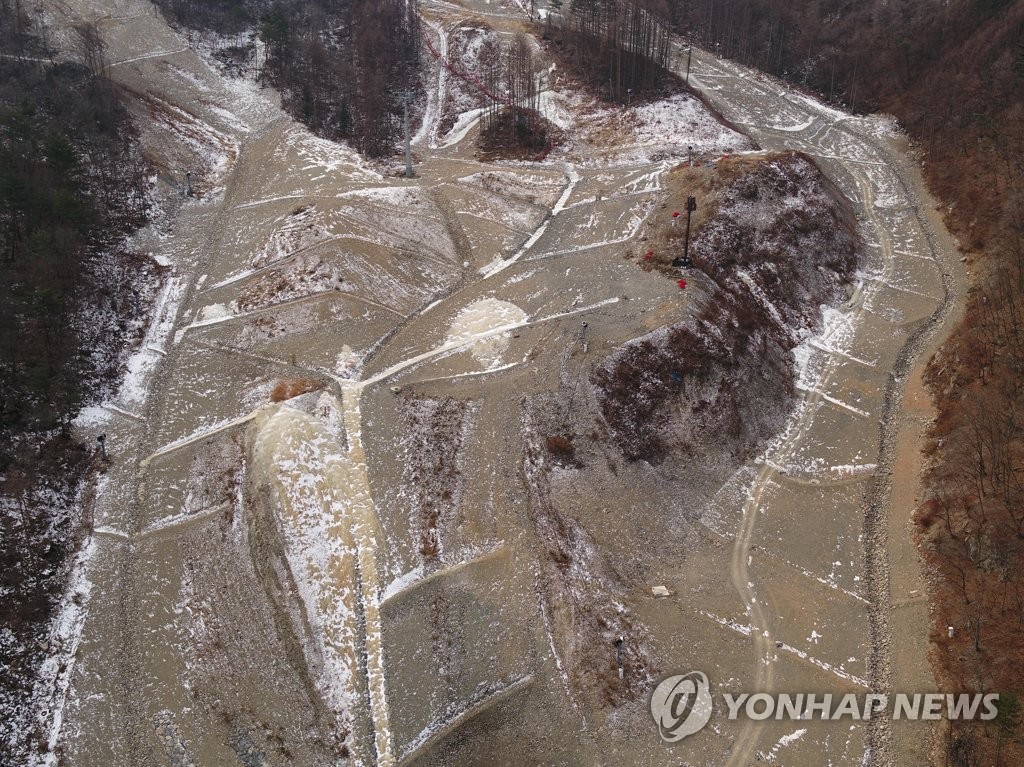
(778,245)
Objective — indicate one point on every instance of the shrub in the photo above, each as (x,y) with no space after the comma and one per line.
(561,447)
(289,388)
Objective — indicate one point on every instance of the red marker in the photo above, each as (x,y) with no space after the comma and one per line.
(675,214)
(682,284)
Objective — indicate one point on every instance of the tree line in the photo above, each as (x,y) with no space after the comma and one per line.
(343,67)
(72,185)
(953,74)
(971,522)
(512,120)
(620,48)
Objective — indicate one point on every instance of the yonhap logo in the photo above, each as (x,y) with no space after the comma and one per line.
(681,705)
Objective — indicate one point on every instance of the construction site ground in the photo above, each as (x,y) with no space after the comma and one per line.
(266,582)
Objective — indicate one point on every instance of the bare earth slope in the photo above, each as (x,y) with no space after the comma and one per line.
(396,568)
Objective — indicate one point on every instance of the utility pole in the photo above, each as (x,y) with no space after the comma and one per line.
(685,262)
(618,654)
(689,57)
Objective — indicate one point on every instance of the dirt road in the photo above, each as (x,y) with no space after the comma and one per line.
(245,610)
(912,255)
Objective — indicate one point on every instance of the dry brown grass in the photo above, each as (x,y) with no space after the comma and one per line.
(263,292)
(667,393)
(289,388)
(561,447)
(437,431)
(704,181)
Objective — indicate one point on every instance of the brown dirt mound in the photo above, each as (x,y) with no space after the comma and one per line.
(525,135)
(762,271)
(289,388)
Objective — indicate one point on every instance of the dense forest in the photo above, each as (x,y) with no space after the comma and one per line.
(72,186)
(953,74)
(513,125)
(620,49)
(343,67)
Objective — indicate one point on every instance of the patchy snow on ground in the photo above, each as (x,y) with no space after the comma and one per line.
(305,275)
(302,229)
(404,197)
(469,47)
(680,121)
(838,329)
(402,583)
(499,264)
(322,159)
(887,190)
(513,214)
(651,132)
(464,123)
(267,326)
(141,365)
(312,483)
(211,314)
(213,149)
(784,741)
(55,674)
(881,126)
(420,230)
(435,91)
(384,246)
(534,188)
(560,109)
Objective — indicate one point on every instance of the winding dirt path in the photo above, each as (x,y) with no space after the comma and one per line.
(747,99)
(117,669)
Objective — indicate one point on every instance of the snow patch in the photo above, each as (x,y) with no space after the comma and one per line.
(478,321)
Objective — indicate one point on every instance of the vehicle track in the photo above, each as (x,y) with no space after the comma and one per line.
(755,603)
(760,610)
(876,558)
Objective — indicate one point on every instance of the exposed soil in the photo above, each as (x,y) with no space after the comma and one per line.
(289,388)
(432,560)
(583,598)
(774,242)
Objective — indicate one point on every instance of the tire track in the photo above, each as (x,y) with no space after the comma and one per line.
(876,554)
